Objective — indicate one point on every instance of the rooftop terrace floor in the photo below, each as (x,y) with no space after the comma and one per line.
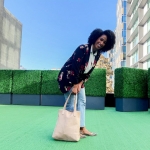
(31,128)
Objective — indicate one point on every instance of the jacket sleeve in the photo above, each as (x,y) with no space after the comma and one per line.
(77,61)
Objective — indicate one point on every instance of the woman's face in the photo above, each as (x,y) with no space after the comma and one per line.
(100,42)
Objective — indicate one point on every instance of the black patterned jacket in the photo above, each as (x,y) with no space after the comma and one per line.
(73,70)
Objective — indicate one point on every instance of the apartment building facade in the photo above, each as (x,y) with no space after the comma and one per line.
(138,34)
(10,39)
(117,56)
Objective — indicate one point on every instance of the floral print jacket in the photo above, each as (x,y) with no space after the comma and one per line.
(73,70)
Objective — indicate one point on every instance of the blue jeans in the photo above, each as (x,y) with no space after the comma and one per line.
(81,103)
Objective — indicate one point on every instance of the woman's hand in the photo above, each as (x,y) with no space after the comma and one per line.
(77,87)
(74,89)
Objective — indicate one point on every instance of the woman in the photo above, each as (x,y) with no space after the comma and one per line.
(78,68)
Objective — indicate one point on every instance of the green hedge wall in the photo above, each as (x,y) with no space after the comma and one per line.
(49,82)
(45,82)
(26,82)
(5,81)
(131,83)
(149,83)
(96,84)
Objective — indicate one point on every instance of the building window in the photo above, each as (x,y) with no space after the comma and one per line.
(148,24)
(134,10)
(124,40)
(134,58)
(124,3)
(124,49)
(123,33)
(124,26)
(123,63)
(148,3)
(134,26)
(135,41)
(125,11)
(145,28)
(146,64)
(147,6)
(148,46)
(124,56)
(123,18)
(145,47)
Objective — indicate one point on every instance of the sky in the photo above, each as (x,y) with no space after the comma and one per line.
(53,29)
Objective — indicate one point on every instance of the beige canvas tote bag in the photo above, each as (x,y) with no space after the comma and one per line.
(68,123)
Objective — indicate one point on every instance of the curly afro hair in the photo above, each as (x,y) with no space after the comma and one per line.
(94,36)
(111,39)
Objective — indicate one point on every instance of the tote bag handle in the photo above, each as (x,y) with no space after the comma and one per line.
(75,103)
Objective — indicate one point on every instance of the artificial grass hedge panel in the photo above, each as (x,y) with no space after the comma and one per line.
(26,82)
(5,81)
(49,82)
(149,83)
(131,83)
(96,84)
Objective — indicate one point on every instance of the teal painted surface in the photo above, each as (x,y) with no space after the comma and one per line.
(31,127)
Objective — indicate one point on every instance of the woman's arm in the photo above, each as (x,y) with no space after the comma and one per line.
(77,59)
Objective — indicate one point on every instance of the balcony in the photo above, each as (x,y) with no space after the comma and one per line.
(135,32)
(131,22)
(145,18)
(145,38)
(129,1)
(134,65)
(130,10)
(142,3)
(146,57)
(133,50)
